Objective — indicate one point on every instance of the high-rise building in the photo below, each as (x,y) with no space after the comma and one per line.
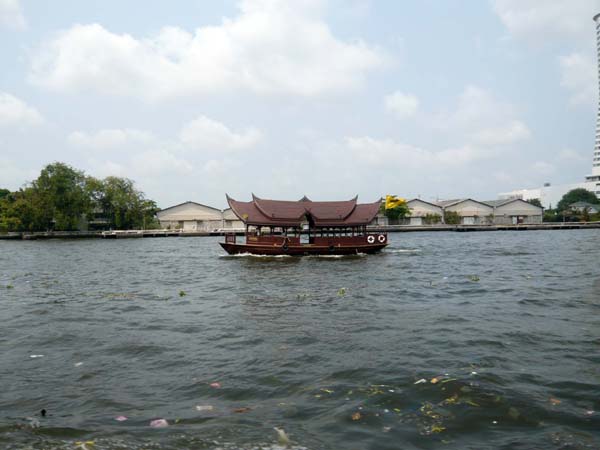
(595,176)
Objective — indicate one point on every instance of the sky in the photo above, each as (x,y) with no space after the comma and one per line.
(284,98)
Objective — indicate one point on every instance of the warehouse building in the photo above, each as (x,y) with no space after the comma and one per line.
(471,212)
(515,211)
(191,216)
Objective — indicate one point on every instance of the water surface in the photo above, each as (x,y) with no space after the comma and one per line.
(339,352)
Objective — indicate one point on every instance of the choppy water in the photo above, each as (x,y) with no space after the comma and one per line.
(339,352)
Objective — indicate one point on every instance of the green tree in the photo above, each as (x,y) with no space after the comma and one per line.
(535,202)
(61,192)
(576,195)
(4,193)
(402,211)
(121,203)
(451,218)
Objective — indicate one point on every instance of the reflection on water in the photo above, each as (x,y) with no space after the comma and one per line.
(453,340)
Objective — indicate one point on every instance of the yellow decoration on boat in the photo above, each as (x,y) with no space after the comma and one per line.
(391,201)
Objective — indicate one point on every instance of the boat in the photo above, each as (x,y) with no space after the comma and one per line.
(305,227)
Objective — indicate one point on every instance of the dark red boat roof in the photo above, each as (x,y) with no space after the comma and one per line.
(292,213)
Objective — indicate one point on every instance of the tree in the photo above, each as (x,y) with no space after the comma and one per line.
(451,218)
(576,195)
(61,190)
(4,193)
(535,202)
(398,212)
(121,203)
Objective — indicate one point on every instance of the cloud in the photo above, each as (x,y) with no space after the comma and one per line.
(206,134)
(110,139)
(482,118)
(11,15)
(543,168)
(15,112)
(579,75)
(540,21)
(509,133)
(387,152)
(402,105)
(271,47)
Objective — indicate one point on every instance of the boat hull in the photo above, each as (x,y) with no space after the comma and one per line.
(301,250)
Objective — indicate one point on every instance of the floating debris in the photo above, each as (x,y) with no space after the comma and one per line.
(182,293)
(159,423)
(435,380)
(215,385)
(9,286)
(386,429)
(204,407)
(78,364)
(43,412)
(36,356)
(356,416)
(474,278)
(282,437)
(422,380)
(120,418)
(243,409)
(341,292)
(328,391)
(85,445)
(555,401)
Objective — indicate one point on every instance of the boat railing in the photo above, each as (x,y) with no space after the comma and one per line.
(230,238)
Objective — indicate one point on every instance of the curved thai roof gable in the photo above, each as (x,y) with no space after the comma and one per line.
(292,213)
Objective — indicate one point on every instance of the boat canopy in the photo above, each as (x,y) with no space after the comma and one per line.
(285,213)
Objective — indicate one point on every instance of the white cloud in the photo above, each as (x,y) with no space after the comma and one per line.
(272,46)
(402,105)
(154,162)
(109,139)
(387,152)
(15,112)
(509,133)
(579,75)
(570,155)
(209,135)
(539,21)
(11,15)
(543,168)
(480,117)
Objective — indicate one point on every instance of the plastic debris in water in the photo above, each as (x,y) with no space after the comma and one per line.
(589,412)
(36,356)
(437,428)
(555,401)
(434,380)
(85,445)
(120,418)
(341,292)
(9,286)
(282,437)
(386,429)
(159,423)
(78,364)
(356,416)
(422,380)
(182,293)
(204,408)
(215,385)
(474,278)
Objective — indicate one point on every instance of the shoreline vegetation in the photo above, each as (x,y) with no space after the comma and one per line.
(66,199)
(64,202)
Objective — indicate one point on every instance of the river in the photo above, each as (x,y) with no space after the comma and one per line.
(444,340)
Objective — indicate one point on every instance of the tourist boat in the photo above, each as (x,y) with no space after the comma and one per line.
(304,227)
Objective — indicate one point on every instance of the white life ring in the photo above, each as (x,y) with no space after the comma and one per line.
(371,239)
(381,238)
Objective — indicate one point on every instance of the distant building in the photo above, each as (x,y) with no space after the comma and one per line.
(471,211)
(420,211)
(191,216)
(585,206)
(515,211)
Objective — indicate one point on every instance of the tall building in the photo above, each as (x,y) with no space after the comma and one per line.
(595,176)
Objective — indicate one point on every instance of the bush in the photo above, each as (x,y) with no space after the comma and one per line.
(451,218)
(432,219)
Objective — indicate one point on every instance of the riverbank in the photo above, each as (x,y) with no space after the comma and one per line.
(129,234)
